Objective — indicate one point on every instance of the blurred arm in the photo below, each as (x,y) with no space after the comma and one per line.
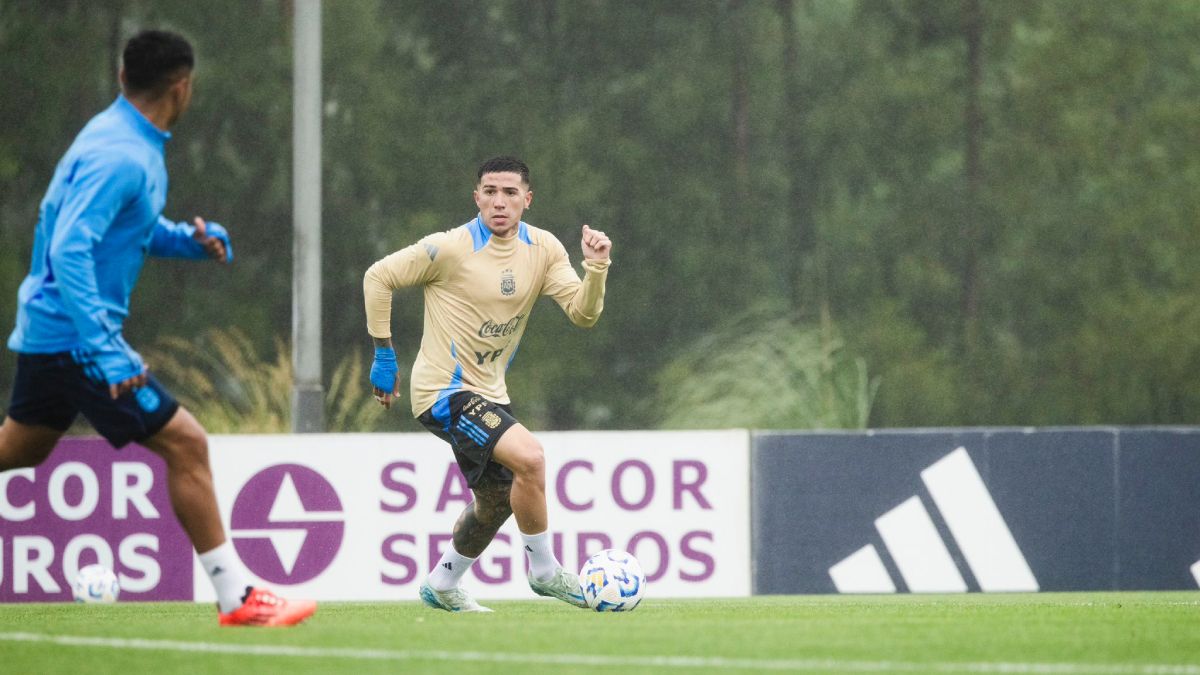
(95,196)
(175,240)
(183,240)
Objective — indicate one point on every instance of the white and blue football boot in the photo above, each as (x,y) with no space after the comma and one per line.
(563,586)
(453,600)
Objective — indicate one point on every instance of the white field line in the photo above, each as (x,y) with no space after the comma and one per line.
(682,662)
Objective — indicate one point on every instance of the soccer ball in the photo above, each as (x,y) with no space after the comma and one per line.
(95,583)
(612,581)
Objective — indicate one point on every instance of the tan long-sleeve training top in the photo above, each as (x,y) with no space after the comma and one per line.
(479,291)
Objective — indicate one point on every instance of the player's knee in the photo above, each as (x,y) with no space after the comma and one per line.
(531,461)
(194,453)
(187,452)
(182,443)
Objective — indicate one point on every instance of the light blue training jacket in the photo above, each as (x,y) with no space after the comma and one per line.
(100,217)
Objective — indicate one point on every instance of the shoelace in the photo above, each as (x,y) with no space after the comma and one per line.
(457,597)
(266,598)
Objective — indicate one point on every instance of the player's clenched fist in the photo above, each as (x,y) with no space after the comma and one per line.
(596,244)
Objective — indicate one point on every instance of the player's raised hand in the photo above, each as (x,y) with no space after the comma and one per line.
(596,244)
(214,239)
(385,377)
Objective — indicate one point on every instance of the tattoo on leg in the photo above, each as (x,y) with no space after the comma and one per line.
(479,522)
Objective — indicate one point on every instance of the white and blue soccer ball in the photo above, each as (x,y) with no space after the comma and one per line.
(612,581)
(95,583)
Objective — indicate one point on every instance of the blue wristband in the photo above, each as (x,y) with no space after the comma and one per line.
(383,370)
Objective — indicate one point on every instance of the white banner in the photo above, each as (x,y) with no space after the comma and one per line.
(365,516)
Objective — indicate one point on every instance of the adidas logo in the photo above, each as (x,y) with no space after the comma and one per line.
(920,554)
(449,566)
(527,548)
(218,570)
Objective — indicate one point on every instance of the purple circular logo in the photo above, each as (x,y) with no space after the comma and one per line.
(287,524)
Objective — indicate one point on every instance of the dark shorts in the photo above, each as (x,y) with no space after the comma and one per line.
(471,424)
(51,389)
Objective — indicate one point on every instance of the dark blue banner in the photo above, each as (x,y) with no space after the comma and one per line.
(995,510)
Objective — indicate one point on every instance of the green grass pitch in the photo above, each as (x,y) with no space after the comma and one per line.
(1111,633)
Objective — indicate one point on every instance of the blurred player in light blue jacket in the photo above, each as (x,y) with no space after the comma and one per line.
(101,216)
(99,219)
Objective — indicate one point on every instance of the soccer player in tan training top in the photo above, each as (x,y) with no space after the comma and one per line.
(481,281)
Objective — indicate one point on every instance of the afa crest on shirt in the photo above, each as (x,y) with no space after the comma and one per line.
(508,283)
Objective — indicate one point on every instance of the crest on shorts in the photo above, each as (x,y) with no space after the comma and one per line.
(148,399)
(508,283)
(490,419)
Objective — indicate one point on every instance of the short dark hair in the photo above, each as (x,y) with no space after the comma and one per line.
(154,59)
(504,164)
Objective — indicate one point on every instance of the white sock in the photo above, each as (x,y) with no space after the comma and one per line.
(225,571)
(542,563)
(449,570)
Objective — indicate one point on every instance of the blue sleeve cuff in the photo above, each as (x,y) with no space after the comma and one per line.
(177,240)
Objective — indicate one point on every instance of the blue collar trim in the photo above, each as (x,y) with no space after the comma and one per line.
(481,235)
(140,122)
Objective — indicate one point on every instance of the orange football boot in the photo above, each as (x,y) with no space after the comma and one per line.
(263,608)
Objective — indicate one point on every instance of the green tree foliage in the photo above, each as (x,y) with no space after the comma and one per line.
(777,375)
(1013,244)
(224,379)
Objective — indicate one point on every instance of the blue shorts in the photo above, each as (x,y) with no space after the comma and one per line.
(51,389)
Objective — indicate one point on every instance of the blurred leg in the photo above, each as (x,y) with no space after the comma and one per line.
(184,446)
(24,445)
